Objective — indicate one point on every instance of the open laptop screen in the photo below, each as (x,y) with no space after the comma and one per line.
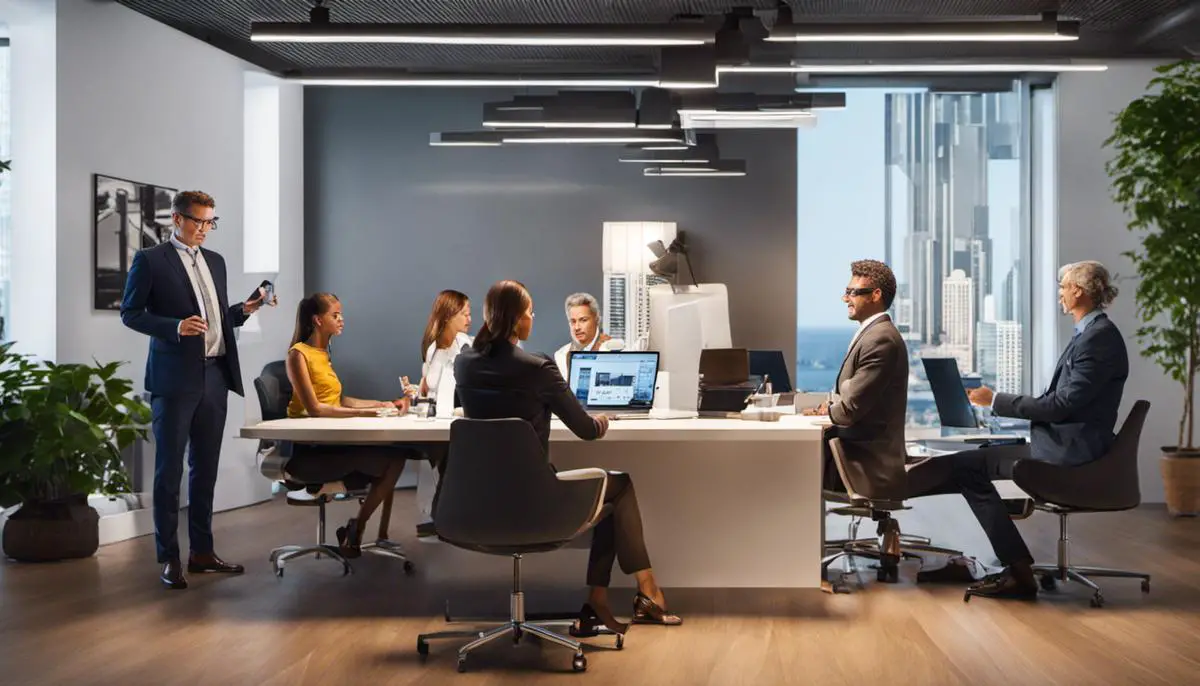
(616,379)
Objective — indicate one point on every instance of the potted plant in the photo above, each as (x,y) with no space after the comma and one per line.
(1156,177)
(62,430)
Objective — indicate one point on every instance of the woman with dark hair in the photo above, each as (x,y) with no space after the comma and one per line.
(496,380)
(317,392)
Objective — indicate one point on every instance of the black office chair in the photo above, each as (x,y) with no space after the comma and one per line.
(274,393)
(500,496)
(1109,484)
(889,545)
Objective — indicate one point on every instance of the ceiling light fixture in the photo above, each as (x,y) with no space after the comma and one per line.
(466,139)
(715,168)
(1048,28)
(321,30)
(593,137)
(474,80)
(914,68)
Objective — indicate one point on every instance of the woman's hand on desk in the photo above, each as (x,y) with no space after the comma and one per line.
(401,404)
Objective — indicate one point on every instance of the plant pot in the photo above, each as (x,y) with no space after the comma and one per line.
(1181,481)
(52,530)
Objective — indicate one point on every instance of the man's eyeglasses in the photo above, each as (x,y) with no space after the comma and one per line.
(210,224)
(851,292)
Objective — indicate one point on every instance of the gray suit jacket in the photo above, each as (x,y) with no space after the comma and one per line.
(1072,423)
(868,411)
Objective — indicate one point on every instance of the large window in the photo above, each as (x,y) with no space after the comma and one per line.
(5,194)
(930,183)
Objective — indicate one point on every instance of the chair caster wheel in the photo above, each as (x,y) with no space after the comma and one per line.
(422,648)
(620,642)
(967,597)
(279,571)
(888,573)
(347,570)
(1047,583)
(408,567)
(1097,600)
(1145,585)
(516,634)
(579,664)
(462,664)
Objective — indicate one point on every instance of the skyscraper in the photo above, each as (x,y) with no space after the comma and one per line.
(1010,362)
(625,262)
(958,315)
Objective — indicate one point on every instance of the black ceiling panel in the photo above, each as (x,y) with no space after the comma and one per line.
(1110,28)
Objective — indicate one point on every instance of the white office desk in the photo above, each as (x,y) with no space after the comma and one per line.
(725,503)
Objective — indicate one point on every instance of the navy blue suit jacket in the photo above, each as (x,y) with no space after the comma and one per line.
(1073,422)
(158,295)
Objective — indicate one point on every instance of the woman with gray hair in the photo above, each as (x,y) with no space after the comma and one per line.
(583,315)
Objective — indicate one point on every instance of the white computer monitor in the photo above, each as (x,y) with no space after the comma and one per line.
(682,323)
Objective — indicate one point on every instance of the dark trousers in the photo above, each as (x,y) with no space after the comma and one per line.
(197,419)
(618,537)
(971,473)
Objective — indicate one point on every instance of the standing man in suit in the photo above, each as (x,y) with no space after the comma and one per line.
(870,400)
(176,295)
(1072,423)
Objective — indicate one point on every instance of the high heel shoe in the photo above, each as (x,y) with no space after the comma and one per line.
(349,540)
(589,624)
(646,611)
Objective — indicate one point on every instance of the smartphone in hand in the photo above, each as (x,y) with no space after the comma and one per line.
(268,289)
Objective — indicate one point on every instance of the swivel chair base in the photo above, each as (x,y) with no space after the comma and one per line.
(888,548)
(1050,575)
(517,626)
(280,556)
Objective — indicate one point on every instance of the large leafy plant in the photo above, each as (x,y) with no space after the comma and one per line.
(63,427)
(1156,177)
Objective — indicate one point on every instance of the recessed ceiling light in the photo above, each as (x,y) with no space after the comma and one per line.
(665,35)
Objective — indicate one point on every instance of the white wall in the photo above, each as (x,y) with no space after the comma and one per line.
(1092,227)
(141,101)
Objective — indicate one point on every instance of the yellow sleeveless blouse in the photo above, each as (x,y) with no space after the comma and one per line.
(325,381)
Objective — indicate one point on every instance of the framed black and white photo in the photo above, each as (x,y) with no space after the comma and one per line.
(128,216)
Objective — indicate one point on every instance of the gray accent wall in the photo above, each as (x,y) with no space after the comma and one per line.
(390,221)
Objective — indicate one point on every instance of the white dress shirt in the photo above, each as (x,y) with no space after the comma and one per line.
(438,369)
(200,277)
(863,326)
(562,357)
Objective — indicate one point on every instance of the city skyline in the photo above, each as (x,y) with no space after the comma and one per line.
(943,212)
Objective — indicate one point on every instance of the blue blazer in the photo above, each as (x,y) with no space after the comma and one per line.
(1073,422)
(158,295)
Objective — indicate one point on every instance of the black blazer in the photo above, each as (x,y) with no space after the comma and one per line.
(1072,423)
(508,382)
(158,295)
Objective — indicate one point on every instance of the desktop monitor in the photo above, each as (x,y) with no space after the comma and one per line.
(954,409)
(771,363)
(616,379)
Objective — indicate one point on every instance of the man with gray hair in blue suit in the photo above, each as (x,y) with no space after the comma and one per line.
(1072,423)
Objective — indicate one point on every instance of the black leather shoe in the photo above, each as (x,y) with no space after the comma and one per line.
(172,575)
(211,564)
(1005,586)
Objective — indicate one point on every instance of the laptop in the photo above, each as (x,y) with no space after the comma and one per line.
(955,410)
(617,383)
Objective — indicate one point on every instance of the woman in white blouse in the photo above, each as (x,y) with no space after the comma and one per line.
(445,336)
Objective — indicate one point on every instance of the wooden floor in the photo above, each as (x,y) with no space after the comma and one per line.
(106,621)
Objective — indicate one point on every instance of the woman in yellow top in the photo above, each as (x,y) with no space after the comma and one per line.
(317,392)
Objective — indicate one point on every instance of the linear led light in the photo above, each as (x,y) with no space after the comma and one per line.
(717,168)
(662,160)
(486,139)
(556,116)
(662,35)
(939,32)
(582,138)
(913,68)
(479,80)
